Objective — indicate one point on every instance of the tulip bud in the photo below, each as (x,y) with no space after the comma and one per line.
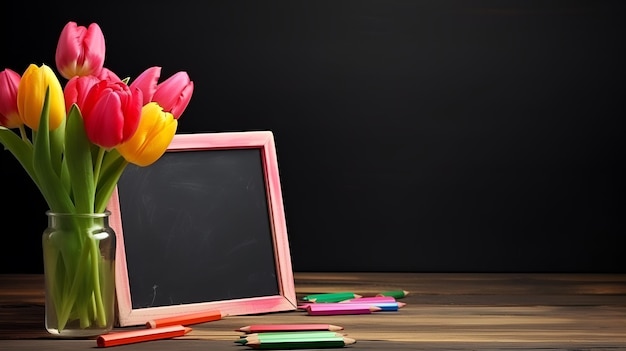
(80,50)
(31,94)
(147,82)
(174,93)
(9,115)
(155,133)
(111,113)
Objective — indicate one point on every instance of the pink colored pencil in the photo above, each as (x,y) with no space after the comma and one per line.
(321,310)
(384,306)
(371,299)
(261,328)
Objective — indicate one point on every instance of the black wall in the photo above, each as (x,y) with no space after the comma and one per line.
(425,136)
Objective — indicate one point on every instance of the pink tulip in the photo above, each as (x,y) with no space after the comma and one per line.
(173,94)
(9,115)
(111,113)
(147,83)
(80,50)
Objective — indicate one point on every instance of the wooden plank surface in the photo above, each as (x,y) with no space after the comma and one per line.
(444,311)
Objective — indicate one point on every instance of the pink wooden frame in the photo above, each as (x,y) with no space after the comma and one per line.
(284,301)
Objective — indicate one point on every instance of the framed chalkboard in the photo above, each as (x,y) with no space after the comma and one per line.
(203,228)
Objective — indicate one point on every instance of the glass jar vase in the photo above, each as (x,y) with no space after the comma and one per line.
(79,269)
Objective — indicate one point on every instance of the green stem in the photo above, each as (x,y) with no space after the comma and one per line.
(98,166)
(95,267)
(24,135)
(69,299)
(81,269)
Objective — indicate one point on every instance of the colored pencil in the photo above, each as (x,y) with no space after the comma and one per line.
(385,306)
(315,310)
(185,319)
(140,335)
(371,299)
(297,335)
(398,294)
(294,333)
(261,328)
(331,297)
(306,344)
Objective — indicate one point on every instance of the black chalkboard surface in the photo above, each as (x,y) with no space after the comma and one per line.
(203,228)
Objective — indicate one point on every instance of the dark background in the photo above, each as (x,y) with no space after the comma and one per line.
(415,136)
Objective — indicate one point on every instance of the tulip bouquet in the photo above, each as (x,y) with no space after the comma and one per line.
(74,141)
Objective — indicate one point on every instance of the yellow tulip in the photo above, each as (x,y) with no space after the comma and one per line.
(32,92)
(154,134)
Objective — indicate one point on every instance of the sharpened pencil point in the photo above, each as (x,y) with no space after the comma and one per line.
(349,341)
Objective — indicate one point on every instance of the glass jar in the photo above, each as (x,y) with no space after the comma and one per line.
(79,269)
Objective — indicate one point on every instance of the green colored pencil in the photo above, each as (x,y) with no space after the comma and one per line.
(287,344)
(256,340)
(398,294)
(331,297)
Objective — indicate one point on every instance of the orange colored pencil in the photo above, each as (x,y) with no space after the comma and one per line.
(186,319)
(140,335)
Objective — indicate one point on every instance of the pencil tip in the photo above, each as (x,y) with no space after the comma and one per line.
(348,341)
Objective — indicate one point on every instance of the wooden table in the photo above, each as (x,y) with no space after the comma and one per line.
(447,311)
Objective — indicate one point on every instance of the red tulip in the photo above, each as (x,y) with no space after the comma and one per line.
(111,113)
(77,87)
(76,90)
(9,115)
(173,94)
(107,74)
(80,50)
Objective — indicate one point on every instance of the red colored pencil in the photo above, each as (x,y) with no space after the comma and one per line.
(316,310)
(260,328)
(185,319)
(140,335)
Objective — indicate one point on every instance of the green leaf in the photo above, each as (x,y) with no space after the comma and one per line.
(57,145)
(50,185)
(79,162)
(112,167)
(65,178)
